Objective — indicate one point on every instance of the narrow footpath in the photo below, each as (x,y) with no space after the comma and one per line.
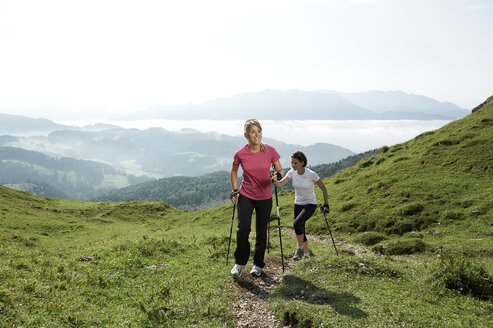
(251,307)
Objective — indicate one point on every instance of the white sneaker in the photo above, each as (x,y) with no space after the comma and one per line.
(236,271)
(256,271)
(307,255)
(298,255)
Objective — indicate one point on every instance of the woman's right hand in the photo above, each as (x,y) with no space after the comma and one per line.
(234,195)
(275,176)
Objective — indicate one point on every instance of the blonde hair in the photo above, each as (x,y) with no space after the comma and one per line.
(246,129)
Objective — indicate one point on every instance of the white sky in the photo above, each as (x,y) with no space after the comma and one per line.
(128,55)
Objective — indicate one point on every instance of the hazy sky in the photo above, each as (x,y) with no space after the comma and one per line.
(128,55)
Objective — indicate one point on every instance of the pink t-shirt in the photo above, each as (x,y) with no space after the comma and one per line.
(256,171)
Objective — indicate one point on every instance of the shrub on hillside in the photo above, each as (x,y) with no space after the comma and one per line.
(401,159)
(414,234)
(465,203)
(412,209)
(366,223)
(370,238)
(401,227)
(383,224)
(365,163)
(447,142)
(460,274)
(360,222)
(400,247)
(380,160)
(347,206)
(453,215)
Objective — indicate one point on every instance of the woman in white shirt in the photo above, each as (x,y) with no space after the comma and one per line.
(305,202)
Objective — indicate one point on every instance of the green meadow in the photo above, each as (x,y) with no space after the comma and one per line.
(414,231)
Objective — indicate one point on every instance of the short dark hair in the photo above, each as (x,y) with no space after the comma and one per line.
(300,157)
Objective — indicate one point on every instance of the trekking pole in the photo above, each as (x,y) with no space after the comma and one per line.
(330,232)
(231,231)
(279,225)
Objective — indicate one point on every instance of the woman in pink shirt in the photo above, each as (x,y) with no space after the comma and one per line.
(255,159)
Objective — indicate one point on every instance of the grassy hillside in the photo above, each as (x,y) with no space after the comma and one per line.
(148,263)
(440,182)
(427,206)
(424,204)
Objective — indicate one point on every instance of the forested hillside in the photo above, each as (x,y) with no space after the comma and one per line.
(188,193)
(208,190)
(59,177)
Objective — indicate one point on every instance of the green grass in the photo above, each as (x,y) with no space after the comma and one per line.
(382,292)
(44,285)
(427,200)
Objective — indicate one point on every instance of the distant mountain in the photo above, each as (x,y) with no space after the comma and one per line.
(401,105)
(266,105)
(21,125)
(39,188)
(26,126)
(98,127)
(160,153)
(63,177)
(305,105)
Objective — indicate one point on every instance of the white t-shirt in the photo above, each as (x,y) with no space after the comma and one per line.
(303,186)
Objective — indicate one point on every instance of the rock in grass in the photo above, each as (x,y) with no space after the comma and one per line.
(87,258)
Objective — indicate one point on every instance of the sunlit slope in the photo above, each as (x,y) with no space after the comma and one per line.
(440,182)
(130,264)
(28,217)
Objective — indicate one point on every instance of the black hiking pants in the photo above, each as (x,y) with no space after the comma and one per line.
(263,209)
(301,214)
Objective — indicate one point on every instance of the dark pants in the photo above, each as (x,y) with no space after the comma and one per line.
(301,214)
(263,209)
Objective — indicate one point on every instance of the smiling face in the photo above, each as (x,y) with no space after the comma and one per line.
(254,135)
(296,164)
(299,157)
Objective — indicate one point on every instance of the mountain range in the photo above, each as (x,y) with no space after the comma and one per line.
(310,105)
(274,105)
(157,152)
(18,125)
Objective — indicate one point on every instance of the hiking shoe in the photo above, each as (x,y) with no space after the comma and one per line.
(298,255)
(307,255)
(256,271)
(236,271)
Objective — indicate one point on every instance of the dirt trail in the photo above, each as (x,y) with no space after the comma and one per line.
(251,308)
